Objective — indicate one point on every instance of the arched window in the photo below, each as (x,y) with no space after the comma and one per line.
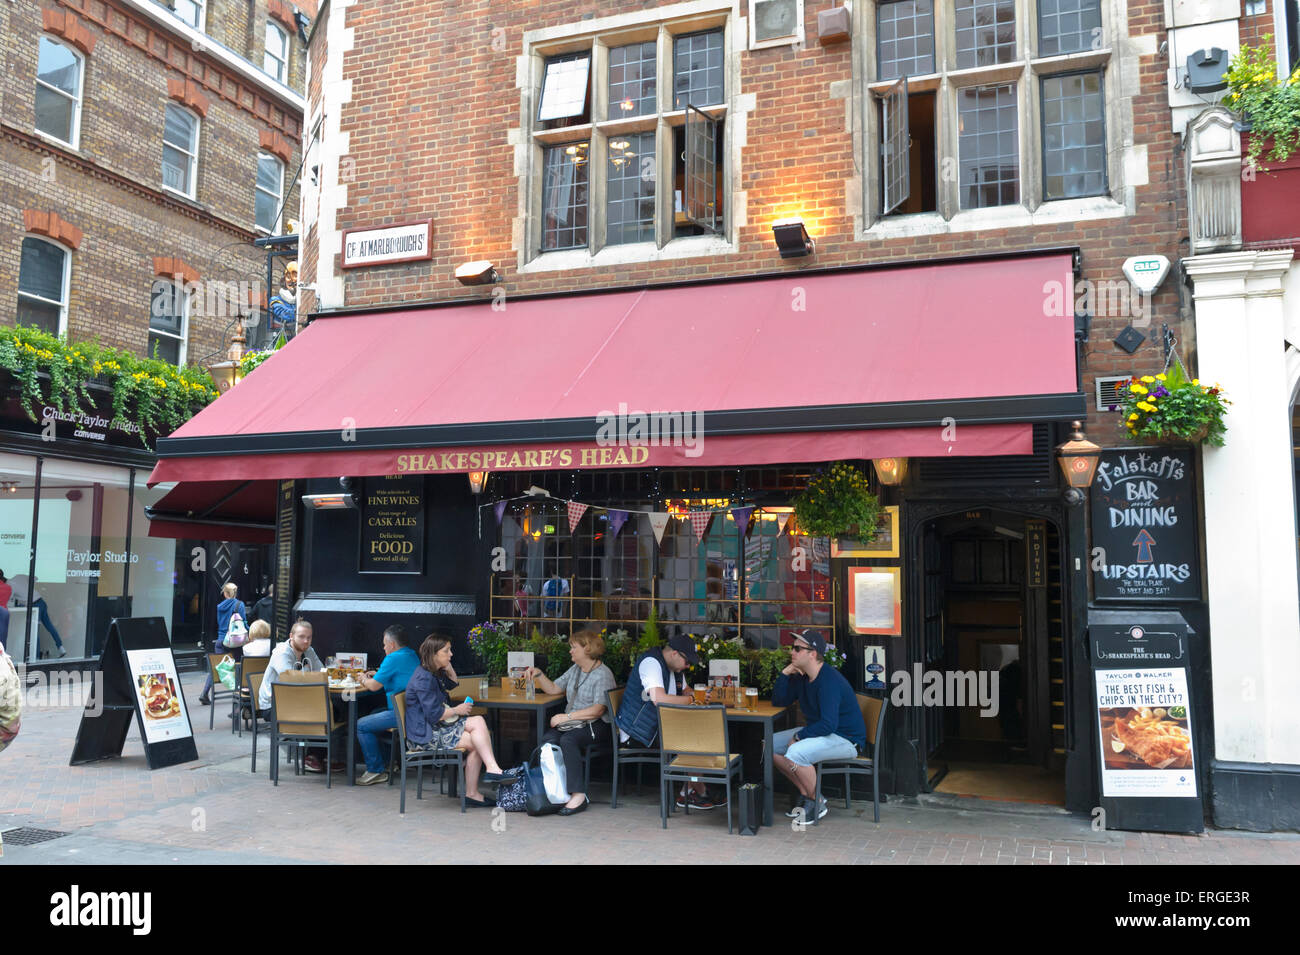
(58,91)
(169,321)
(270,192)
(180,162)
(276,60)
(43,274)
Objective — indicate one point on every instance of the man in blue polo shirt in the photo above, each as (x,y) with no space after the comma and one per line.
(399,663)
(835,727)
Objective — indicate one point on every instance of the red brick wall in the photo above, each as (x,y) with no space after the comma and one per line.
(111,186)
(432,103)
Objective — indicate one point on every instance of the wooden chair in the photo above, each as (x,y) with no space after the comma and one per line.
(694,745)
(873,715)
(420,758)
(253,687)
(301,713)
(243,670)
(219,691)
(625,753)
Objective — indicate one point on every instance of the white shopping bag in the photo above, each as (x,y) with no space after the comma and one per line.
(553,774)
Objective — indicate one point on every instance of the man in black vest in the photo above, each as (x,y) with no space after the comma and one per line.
(659,676)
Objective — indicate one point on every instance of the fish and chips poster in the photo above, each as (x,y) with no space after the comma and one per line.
(1146,733)
(157,691)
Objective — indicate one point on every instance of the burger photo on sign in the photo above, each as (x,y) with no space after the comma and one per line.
(160,700)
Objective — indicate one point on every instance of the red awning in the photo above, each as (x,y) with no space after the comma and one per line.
(920,361)
(216,510)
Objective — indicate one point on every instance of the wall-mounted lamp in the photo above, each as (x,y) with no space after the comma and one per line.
(890,471)
(792,239)
(477,273)
(1078,458)
(478,481)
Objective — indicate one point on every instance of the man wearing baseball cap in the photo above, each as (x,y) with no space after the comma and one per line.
(835,728)
(658,676)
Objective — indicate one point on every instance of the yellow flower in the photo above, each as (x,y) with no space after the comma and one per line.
(1147,379)
(1133,417)
(1161,377)
(1196,381)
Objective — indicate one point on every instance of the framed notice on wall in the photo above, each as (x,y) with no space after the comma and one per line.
(884,544)
(392,525)
(875,600)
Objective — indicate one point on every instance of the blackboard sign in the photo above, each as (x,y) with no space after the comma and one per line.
(392,525)
(1145,542)
(285,518)
(140,679)
(1149,753)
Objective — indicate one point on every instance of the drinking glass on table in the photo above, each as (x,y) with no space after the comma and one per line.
(700,690)
(751,698)
(484,684)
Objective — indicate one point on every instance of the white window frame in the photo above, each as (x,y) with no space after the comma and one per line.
(202,10)
(194,156)
(661,25)
(796,38)
(281,59)
(1025,72)
(67,278)
(75,131)
(178,293)
(279,197)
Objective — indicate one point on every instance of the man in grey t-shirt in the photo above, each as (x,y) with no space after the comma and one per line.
(586,719)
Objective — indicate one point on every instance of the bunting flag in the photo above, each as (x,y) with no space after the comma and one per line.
(781,521)
(616,521)
(700,523)
(741,516)
(500,508)
(576,511)
(658,521)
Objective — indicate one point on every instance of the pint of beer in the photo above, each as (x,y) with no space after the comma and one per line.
(700,690)
(751,698)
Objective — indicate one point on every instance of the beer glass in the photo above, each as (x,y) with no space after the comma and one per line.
(700,690)
(751,698)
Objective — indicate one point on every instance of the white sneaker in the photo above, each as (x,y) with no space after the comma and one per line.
(369,779)
(822,808)
(63,651)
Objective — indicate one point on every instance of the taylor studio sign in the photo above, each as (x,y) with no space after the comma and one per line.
(388,245)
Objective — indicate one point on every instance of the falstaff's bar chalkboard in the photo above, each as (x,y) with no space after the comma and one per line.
(1145,544)
(392,526)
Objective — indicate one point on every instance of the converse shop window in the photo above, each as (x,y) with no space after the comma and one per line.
(976,105)
(628,135)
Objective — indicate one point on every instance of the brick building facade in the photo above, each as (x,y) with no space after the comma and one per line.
(128,67)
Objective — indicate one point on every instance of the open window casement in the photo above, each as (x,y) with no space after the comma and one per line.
(895,148)
(701,199)
(564,87)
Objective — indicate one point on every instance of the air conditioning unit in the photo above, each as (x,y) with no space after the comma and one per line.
(775,23)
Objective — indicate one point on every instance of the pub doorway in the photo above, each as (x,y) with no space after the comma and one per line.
(993,627)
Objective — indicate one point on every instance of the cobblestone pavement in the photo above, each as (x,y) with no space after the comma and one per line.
(216,811)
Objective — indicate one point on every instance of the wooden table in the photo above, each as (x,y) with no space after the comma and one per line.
(349,695)
(499,699)
(766,714)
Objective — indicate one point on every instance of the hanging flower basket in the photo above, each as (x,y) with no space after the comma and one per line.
(1169,409)
(836,501)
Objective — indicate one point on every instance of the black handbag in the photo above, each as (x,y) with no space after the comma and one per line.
(538,803)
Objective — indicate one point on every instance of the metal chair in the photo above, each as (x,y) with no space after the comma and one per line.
(625,753)
(243,670)
(694,746)
(301,713)
(219,691)
(253,686)
(420,758)
(873,715)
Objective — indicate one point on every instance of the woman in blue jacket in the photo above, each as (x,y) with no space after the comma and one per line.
(432,722)
(226,610)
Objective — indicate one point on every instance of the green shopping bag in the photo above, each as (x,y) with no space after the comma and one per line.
(226,672)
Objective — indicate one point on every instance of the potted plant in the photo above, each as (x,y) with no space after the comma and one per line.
(1168,408)
(836,501)
(1270,109)
(490,641)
